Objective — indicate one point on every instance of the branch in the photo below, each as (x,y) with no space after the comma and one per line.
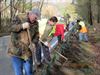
(4,8)
(41,4)
(61,55)
(1,10)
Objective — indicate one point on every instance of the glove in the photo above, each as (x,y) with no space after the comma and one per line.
(25,25)
(32,47)
(46,43)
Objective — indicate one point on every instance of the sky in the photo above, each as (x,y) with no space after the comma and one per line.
(50,1)
(55,1)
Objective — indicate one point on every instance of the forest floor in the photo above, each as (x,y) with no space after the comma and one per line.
(92,47)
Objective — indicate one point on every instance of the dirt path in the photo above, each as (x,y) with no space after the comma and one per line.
(5,61)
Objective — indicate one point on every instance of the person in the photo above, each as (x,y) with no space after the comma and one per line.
(59,28)
(83,32)
(71,24)
(52,32)
(19,50)
(49,29)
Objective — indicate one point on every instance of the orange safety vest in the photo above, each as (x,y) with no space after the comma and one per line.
(83,29)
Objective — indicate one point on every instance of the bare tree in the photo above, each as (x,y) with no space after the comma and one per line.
(98,16)
(73,1)
(90,12)
(24,2)
(11,9)
(0,13)
(31,4)
(41,4)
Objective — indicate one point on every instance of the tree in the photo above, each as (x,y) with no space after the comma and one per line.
(49,10)
(66,18)
(0,13)
(89,12)
(23,10)
(98,16)
(30,4)
(11,9)
(85,10)
(41,4)
(73,1)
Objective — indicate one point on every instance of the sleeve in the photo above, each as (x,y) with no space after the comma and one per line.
(52,31)
(35,33)
(62,32)
(16,28)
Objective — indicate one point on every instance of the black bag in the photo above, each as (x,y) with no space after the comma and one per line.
(46,52)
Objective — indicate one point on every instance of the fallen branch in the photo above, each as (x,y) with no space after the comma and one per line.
(62,55)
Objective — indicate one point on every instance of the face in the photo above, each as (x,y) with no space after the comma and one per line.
(50,22)
(32,17)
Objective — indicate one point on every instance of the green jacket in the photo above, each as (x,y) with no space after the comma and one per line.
(19,45)
(46,33)
(53,30)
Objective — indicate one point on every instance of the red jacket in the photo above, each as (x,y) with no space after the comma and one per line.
(59,30)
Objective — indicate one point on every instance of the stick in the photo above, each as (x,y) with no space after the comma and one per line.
(61,55)
(33,52)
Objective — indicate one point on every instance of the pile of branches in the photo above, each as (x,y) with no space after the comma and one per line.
(69,53)
(75,54)
(72,50)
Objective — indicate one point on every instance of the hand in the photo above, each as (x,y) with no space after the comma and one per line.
(32,47)
(46,43)
(25,25)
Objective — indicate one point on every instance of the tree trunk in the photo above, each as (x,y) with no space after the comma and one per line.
(31,4)
(98,16)
(23,10)
(0,14)
(41,5)
(90,13)
(11,9)
(73,1)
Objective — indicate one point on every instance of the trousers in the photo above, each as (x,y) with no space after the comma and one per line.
(83,37)
(21,66)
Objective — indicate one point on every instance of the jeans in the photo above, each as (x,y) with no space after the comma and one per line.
(20,64)
(83,37)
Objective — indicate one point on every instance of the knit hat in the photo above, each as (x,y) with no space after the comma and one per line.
(36,12)
(82,23)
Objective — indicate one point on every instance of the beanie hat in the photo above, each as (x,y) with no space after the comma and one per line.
(36,12)
(82,23)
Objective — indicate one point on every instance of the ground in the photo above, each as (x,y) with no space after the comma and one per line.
(93,47)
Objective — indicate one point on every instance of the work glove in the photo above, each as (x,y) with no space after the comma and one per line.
(25,25)
(32,47)
(46,43)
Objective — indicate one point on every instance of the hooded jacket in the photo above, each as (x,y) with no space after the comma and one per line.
(19,45)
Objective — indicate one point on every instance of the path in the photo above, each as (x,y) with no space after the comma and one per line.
(5,61)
